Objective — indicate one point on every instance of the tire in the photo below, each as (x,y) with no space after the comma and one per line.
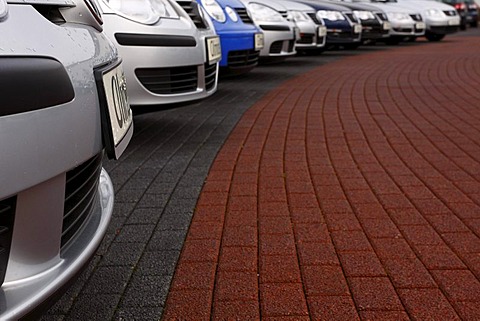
(474,24)
(434,37)
(463,26)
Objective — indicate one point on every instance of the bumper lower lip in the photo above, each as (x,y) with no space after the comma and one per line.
(41,290)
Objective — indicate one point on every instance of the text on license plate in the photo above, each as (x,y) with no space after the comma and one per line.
(259,41)
(214,52)
(357,28)
(420,25)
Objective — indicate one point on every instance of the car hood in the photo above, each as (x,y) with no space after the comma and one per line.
(325,5)
(425,4)
(293,5)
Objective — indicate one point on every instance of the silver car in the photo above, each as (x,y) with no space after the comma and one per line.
(280,34)
(64,105)
(313,32)
(170,50)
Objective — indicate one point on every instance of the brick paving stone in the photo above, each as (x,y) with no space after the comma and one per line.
(427,304)
(374,293)
(282,299)
(332,308)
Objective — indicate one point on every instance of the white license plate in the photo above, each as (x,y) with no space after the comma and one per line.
(357,28)
(214,51)
(420,25)
(259,41)
(322,31)
(454,22)
(387,25)
(117,118)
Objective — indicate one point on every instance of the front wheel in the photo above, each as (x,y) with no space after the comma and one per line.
(434,37)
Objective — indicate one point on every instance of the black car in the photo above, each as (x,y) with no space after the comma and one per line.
(374,21)
(472,17)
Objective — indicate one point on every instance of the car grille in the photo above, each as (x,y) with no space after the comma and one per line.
(450,13)
(7,217)
(416,17)
(191,8)
(306,38)
(166,81)
(382,16)
(351,16)
(243,58)
(80,194)
(314,18)
(210,76)
(243,14)
(283,13)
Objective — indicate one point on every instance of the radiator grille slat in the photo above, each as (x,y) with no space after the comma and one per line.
(243,14)
(166,81)
(80,194)
(191,8)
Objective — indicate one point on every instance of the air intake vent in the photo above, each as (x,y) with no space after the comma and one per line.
(243,58)
(191,8)
(167,81)
(284,14)
(80,195)
(243,14)
(450,13)
(210,76)
(7,217)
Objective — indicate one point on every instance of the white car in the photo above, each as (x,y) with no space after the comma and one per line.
(279,33)
(440,19)
(64,104)
(406,22)
(170,49)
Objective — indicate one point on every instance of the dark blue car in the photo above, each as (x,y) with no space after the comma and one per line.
(343,28)
(241,41)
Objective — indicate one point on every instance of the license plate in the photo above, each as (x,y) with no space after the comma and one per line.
(357,28)
(420,25)
(117,118)
(387,25)
(322,31)
(259,41)
(214,52)
(454,22)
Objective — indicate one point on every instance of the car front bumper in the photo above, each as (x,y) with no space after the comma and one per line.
(173,67)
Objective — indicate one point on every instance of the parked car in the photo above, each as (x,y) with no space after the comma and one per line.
(472,17)
(170,50)
(462,10)
(279,34)
(406,23)
(343,27)
(375,24)
(440,19)
(64,105)
(241,41)
(312,30)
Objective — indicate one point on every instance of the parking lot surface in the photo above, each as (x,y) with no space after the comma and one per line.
(338,187)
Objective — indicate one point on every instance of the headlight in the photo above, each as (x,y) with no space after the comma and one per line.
(261,12)
(363,15)
(298,16)
(434,13)
(142,11)
(214,10)
(330,15)
(231,13)
(398,16)
(3,9)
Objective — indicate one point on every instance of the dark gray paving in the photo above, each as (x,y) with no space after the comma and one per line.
(157,182)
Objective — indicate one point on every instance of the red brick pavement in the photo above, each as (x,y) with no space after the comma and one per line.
(350,192)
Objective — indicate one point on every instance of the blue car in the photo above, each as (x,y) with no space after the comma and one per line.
(240,40)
